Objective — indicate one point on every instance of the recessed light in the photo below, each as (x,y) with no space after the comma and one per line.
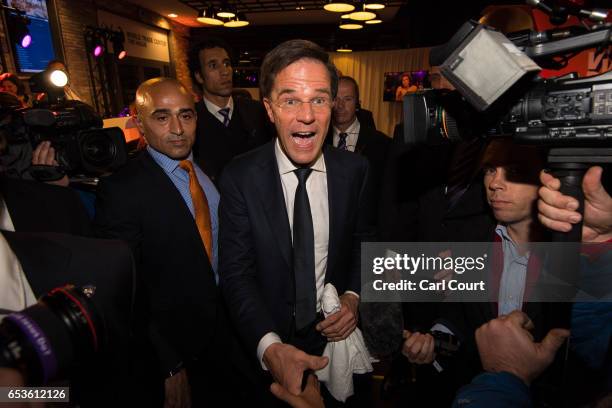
(173,15)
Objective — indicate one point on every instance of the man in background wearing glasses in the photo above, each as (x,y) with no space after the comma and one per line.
(293,214)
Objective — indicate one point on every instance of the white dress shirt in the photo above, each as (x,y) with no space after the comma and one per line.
(15,291)
(352,135)
(316,186)
(214,109)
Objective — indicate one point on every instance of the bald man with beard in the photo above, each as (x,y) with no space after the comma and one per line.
(165,207)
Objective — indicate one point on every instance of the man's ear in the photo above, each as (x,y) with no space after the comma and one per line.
(268,106)
(198,78)
(139,124)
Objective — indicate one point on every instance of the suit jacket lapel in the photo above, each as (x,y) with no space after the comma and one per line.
(170,199)
(336,185)
(362,140)
(271,194)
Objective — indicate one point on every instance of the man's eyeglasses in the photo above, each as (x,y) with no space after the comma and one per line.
(292,105)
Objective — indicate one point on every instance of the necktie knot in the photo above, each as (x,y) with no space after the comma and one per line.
(186,165)
(302,174)
(225,113)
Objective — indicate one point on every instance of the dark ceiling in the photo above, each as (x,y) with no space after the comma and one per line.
(418,23)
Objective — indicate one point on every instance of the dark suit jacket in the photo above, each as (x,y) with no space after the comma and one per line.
(216,145)
(41,207)
(141,205)
(52,260)
(255,239)
(374,146)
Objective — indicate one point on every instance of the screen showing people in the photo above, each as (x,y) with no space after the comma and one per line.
(398,84)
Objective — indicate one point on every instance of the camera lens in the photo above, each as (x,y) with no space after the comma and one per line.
(46,340)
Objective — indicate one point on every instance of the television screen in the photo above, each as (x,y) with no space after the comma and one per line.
(35,57)
(398,84)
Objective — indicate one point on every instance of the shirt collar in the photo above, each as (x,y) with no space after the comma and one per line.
(351,130)
(168,164)
(214,109)
(286,166)
(502,231)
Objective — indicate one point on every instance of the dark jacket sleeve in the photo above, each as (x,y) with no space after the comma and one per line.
(118,216)
(501,390)
(237,265)
(364,228)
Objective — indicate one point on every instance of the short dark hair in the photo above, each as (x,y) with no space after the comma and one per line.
(352,81)
(56,61)
(286,54)
(193,57)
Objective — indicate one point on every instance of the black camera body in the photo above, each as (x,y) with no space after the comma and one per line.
(557,112)
(75,131)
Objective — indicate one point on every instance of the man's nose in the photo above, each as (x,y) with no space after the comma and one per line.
(305,113)
(176,126)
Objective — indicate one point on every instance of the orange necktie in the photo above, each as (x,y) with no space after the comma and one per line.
(200,207)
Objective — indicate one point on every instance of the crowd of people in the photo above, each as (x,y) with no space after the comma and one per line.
(214,248)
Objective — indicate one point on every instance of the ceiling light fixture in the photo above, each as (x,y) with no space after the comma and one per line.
(338,6)
(345,16)
(375,20)
(374,5)
(173,15)
(351,26)
(226,11)
(209,16)
(239,21)
(344,48)
(362,15)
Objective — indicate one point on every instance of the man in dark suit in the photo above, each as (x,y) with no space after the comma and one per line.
(510,186)
(348,133)
(227,126)
(293,190)
(165,207)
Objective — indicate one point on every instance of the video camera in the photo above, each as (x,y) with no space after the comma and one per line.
(46,341)
(75,131)
(500,94)
(564,111)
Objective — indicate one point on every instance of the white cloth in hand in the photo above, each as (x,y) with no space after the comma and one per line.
(346,357)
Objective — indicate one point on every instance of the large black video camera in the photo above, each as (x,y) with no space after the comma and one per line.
(47,341)
(75,131)
(566,111)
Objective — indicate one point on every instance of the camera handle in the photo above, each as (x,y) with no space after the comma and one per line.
(569,165)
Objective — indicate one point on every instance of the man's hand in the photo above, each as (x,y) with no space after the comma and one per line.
(418,347)
(341,324)
(178,392)
(44,155)
(287,365)
(310,398)
(558,211)
(505,344)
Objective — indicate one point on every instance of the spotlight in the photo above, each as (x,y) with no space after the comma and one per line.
(18,27)
(118,40)
(338,6)
(209,16)
(58,78)
(98,50)
(26,40)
